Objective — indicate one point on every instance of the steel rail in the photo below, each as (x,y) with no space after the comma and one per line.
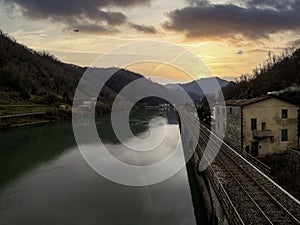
(240,185)
(277,203)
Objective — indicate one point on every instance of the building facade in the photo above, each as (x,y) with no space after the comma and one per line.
(260,126)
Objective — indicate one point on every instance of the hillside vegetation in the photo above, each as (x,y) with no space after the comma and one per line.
(28,76)
(278,74)
(25,73)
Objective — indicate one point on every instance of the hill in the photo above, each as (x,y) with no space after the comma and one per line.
(38,77)
(25,72)
(279,75)
(193,88)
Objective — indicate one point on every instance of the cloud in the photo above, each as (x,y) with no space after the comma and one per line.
(198,2)
(294,43)
(273,4)
(219,21)
(143,28)
(259,51)
(91,15)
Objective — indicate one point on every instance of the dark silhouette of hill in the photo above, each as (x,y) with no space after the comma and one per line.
(278,75)
(25,71)
(41,78)
(208,85)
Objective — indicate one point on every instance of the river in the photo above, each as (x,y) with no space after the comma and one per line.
(45,180)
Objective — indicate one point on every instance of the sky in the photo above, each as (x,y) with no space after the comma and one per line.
(230,37)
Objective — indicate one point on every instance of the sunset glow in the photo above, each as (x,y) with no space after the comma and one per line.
(220,33)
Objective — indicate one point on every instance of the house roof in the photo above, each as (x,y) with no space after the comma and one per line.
(245,102)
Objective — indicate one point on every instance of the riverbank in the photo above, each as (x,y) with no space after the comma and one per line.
(16,120)
(198,193)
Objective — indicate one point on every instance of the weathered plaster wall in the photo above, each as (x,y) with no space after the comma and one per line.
(269,111)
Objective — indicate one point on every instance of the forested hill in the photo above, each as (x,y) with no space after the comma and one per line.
(41,78)
(278,74)
(25,71)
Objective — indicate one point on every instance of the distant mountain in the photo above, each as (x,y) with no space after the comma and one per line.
(196,89)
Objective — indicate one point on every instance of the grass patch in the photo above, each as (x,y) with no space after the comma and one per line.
(19,109)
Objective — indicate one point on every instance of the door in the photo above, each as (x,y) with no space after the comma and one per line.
(254,148)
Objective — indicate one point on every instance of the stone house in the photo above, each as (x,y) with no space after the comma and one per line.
(260,126)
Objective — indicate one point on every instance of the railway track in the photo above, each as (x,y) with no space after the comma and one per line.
(256,199)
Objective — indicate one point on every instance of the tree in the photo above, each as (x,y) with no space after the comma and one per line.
(25,95)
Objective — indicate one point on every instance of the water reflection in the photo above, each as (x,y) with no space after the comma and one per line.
(44,180)
(23,149)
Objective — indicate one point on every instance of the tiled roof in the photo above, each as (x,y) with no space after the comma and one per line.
(244,102)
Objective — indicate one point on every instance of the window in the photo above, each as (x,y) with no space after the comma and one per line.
(224,111)
(218,125)
(230,110)
(253,124)
(284,113)
(218,110)
(263,126)
(284,135)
